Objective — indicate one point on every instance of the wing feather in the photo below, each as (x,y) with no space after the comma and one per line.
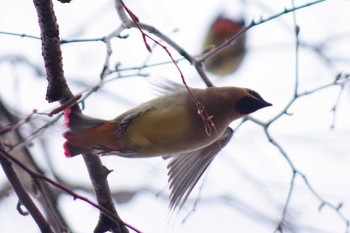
(165,87)
(186,169)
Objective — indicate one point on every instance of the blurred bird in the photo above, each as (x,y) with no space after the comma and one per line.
(169,126)
(229,59)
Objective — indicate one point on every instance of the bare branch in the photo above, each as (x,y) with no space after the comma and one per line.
(58,90)
(51,50)
(106,212)
(23,196)
(231,40)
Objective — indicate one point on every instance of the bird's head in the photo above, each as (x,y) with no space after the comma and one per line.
(250,102)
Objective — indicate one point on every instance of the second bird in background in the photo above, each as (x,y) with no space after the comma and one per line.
(229,59)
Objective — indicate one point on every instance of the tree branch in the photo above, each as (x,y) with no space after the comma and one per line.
(23,196)
(51,50)
(59,91)
(36,176)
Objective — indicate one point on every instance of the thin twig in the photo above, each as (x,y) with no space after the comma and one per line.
(252,24)
(206,117)
(107,41)
(296,89)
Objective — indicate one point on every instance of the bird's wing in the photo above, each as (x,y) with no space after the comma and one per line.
(163,87)
(185,169)
(166,86)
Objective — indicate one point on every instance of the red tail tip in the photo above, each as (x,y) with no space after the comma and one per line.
(65,134)
(66,150)
(67,113)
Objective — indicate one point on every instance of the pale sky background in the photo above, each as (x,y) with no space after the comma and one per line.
(249,171)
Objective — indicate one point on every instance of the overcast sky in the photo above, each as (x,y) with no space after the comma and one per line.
(246,187)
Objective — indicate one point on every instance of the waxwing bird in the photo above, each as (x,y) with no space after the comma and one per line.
(169,126)
(229,59)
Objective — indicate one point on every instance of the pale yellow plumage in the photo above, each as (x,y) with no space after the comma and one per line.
(168,126)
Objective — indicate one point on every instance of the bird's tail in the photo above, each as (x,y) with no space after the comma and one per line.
(85,132)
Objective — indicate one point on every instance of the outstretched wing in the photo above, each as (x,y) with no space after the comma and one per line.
(186,169)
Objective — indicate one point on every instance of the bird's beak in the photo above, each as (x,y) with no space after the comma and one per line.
(266,104)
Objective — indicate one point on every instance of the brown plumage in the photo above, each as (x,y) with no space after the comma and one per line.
(167,126)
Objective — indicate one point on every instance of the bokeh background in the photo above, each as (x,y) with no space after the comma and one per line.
(247,185)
